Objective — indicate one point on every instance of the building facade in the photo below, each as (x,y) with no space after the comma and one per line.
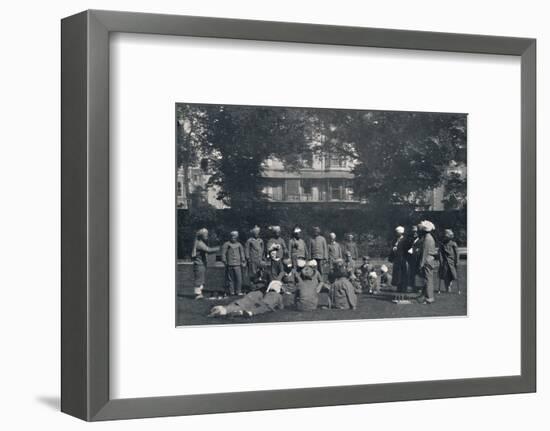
(194,190)
(324,179)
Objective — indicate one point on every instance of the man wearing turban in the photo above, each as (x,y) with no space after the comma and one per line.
(399,260)
(199,255)
(254,251)
(427,251)
(448,260)
(277,239)
(234,260)
(297,247)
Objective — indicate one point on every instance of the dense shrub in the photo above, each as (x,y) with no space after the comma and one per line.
(373,231)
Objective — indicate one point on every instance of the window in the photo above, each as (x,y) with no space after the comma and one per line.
(336,161)
(292,190)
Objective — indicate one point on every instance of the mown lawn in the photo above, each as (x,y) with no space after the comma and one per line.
(194,312)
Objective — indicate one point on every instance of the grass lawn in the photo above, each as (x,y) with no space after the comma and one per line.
(194,312)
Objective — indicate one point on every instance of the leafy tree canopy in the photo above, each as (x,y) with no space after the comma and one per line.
(398,155)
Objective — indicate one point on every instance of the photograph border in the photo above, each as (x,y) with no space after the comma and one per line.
(304,321)
(85,214)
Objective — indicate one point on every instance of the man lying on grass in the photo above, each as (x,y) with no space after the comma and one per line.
(253,303)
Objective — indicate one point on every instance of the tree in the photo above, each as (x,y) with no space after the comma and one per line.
(190,138)
(399,155)
(238,141)
(455,191)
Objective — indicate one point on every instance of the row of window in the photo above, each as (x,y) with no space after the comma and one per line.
(309,190)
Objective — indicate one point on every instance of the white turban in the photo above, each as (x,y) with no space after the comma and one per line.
(297,230)
(400,230)
(275,285)
(312,262)
(426,226)
(300,263)
(276,228)
(373,275)
(255,229)
(384,268)
(234,233)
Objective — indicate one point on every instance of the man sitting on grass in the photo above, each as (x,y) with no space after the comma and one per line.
(358,280)
(289,280)
(275,267)
(307,290)
(342,292)
(349,263)
(385,278)
(373,283)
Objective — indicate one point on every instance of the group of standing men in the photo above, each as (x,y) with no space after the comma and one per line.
(241,261)
(413,257)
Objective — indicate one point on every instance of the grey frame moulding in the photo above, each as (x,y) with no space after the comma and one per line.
(85,214)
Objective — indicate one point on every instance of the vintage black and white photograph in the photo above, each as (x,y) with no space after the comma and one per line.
(288,214)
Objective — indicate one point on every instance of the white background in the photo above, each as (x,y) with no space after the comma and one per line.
(29,269)
(150,73)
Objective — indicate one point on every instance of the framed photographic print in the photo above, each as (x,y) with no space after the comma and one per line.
(265,215)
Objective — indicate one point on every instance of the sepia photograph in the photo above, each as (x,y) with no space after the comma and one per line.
(288,214)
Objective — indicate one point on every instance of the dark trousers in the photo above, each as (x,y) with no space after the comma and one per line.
(234,279)
(320,264)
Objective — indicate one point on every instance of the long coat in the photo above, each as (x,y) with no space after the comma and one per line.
(448,260)
(412,260)
(428,251)
(254,251)
(399,260)
(426,262)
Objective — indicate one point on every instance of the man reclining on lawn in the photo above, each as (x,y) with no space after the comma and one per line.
(253,303)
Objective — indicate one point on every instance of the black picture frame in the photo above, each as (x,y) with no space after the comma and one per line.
(85,214)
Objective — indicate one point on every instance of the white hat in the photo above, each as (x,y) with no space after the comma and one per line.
(384,268)
(300,263)
(426,226)
(400,229)
(275,285)
(312,262)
